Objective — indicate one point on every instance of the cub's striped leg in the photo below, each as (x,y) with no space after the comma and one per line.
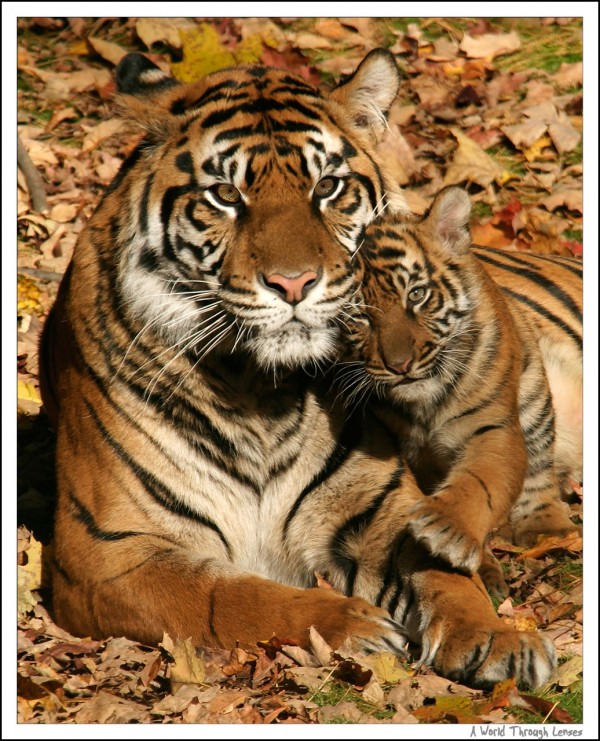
(455,521)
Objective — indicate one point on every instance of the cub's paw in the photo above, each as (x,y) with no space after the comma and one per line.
(482,657)
(554,521)
(433,523)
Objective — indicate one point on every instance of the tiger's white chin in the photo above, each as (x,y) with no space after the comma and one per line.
(293,346)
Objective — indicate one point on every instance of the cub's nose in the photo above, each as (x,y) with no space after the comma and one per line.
(291,288)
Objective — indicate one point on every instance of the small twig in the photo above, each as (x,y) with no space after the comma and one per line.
(42,274)
(33,178)
(550,712)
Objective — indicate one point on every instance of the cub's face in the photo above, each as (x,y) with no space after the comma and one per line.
(243,209)
(419,291)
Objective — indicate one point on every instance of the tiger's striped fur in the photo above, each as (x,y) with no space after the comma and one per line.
(462,368)
(205,470)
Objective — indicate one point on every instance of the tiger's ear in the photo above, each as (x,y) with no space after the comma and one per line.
(448,220)
(147,94)
(367,95)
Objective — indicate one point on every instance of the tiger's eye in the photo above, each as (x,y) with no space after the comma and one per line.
(417,294)
(226,193)
(325,187)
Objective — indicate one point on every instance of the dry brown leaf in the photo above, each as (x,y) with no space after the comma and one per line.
(58,116)
(411,693)
(108,50)
(64,212)
(310,41)
(572,542)
(166,30)
(567,196)
(99,133)
(395,151)
(108,708)
(321,649)
(490,45)
(364,26)
(569,75)
(331,28)
(48,247)
(188,668)
(471,164)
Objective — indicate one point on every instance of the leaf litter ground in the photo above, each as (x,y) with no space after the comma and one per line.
(494,105)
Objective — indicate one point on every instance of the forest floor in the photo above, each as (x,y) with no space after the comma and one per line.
(494,105)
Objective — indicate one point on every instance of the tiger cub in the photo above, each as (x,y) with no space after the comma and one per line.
(461,382)
(205,469)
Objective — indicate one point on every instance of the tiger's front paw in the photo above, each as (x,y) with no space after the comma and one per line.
(439,528)
(481,657)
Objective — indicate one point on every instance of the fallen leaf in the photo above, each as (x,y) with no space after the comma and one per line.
(567,196)
(569,75)
(311,41)
(108,708)
(548,710)
(187,668)
(572,542)
(372,692)
(108,50)
(471,164)
(569,672)
(490,45)
(387,667)
(164,30)
(331,28)
(99,133)
(321,649)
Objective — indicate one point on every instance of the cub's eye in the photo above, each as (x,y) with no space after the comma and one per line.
(326,187)
(227,194)
(417,295)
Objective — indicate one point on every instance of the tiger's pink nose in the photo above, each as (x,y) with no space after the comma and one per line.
(292,289)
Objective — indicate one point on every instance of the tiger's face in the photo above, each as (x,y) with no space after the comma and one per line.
(410,340)
(250,198)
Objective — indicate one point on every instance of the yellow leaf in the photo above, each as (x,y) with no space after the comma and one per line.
(29,576)
(388,668)
(534,151)
(187,668)
(28,392)
(249,50)
(28,294)
(202,54)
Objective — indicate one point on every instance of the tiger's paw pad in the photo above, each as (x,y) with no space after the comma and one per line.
(434,525)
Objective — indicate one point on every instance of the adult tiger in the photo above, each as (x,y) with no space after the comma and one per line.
(204,474)
(461,376)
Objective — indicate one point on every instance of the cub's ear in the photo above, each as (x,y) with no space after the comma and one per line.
(448,220)
(367,95)
(137,75)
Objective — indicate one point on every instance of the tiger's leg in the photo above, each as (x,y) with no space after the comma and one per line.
(460,635)
(158,589)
